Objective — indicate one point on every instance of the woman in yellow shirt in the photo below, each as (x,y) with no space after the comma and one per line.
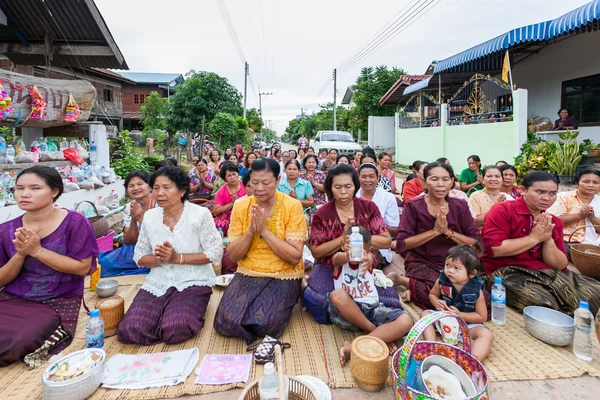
(266,237)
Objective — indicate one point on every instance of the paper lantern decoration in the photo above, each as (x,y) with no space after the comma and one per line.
(38,104)
(71,110)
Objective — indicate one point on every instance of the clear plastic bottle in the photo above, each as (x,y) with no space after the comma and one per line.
(269,384)
(73,144)
(93,153)
(10,153)
(222,235)
(2,146)
(64,144)
(94,331)
(35,146)
(20,147)
(583,346)
(356,245)
(498,302)
(43,144)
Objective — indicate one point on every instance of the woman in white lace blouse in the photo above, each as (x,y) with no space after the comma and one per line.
(179,243)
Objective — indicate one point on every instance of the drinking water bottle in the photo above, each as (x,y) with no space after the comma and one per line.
(2,146)
(35,146)
(356,245)
(94,331)
(64,144)
(43,145)
(10,153)
(498,302)
(20,147)
(269,384)
(583,346)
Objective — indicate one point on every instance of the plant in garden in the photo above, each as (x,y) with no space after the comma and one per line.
(154,111)
(566,157)
(124,157)
(223,130)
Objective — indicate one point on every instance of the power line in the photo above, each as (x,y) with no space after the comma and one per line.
(231,29)
(262,23)
(254,41)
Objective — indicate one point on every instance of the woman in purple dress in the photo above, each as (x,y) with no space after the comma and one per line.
(44,256)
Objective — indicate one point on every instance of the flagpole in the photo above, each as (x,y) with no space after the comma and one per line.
(510,72)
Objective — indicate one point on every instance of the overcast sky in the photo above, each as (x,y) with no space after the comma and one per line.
(293,46)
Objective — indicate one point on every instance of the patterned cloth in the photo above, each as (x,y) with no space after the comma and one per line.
(26,324)
(569,203)
(195,179)
(194,233)
(559,290)
(254,307)
(73,238)
(481,203)
(319,177)
(223,197)
(327,226)
(385,184)
(287,222)
(172,318)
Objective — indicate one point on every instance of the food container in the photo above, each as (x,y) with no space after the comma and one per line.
(78,388)
(452,368)
(107,288)
(369,363)
(112,311)
(549,326)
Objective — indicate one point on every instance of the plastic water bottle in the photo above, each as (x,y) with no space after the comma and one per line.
(222,235)
(43,145)
(583,346)
(2,146)
(94,331)
(10,153)
(498,302)
(64,144)
(93,153)
(35,146)
(73,144)
(20,147)
(269,384)
(356,245)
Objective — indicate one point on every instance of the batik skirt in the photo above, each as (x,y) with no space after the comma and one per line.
(559,290)
(26,324)
(254,307)
(171,318)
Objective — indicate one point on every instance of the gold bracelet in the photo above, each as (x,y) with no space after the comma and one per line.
(180,259)
(38,253)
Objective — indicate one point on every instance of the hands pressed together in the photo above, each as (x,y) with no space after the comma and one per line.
(543,228)
(27,242)
(165,253)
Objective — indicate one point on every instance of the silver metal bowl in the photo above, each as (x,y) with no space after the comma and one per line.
(452,368)
(549,326)
(107,288)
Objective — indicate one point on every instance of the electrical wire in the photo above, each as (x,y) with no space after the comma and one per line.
(231,30)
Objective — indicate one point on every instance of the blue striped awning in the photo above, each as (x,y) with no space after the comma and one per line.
(542,31)
(417,86)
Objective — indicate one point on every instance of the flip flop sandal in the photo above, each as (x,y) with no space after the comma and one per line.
(38,357)
(264,352)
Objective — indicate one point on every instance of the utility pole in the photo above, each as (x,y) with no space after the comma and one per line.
(246,69)
(335,99)
(260,95)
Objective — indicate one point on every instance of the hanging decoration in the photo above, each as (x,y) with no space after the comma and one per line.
(72,109)
(38,104)
(5,104)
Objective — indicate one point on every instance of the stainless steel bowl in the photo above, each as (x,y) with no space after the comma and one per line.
(549,326)
(107,288)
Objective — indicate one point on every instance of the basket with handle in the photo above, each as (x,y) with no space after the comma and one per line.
(297,390)
(586,257)
(99,223)
(420,350)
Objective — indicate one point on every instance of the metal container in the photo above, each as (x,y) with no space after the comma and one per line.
(452,368)
(107,288)
(78,388)
(549,326)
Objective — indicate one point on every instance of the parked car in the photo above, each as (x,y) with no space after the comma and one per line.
(343,142)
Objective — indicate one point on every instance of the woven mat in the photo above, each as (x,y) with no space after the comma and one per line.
(516,355)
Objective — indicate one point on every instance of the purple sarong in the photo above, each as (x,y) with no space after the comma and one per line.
(171,318)
(254,307)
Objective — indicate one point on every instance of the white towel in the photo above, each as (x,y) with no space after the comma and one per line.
(381,280)
(141,371)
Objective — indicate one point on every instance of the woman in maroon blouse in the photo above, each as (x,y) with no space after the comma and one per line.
(429,226)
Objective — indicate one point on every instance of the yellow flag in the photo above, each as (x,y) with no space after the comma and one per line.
(505,68)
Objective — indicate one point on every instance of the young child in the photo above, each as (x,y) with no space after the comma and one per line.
(459,290)
(355,302)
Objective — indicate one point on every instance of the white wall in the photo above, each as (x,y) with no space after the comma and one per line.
(542,75)
(381,132)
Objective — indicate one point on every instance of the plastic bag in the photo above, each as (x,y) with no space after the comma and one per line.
(83,152)
(73,156)
(120,262)
(97,182)
(87,185)
(51,156)
(70,187)
(26,157)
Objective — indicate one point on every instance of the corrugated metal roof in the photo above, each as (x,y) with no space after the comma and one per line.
(157,78)
(539,32)
(395,93)
(416,86)
(77,22)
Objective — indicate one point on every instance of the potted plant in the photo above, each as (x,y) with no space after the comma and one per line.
(586,148)
(566,157)
(596,152)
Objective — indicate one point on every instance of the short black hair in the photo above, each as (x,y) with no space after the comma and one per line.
(340,169)
(292,161)
(383,154)
(364,232)
(49,175)
(267,164)
(563,108)
(162,163)
(143,175)
(490,167)
(173,160)
(475,158)
(246,178)
(538,176)
(342,156)
(586,171)
(467,256)
(331,150)
(417,163)
(368,155)
(368,165)
(436,164)
(507,167)
(202,160)
(177,176)
(323,150)
(245,162)
(500,161)
(308,157)
(228,166)
(441,160)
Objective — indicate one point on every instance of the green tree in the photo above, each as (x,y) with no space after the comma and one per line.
(154,112)
(268,134)
(255,121)
(370,86)
(203,94)
(223,129)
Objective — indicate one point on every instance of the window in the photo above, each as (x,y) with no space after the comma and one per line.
(142,98)
(39,72)
(107,95)
(136,99)
(581,97)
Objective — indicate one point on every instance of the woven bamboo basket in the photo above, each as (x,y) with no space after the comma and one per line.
(297,389)
(586,257)
(112,310)
(99,223)
(369,363)
(544,124)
